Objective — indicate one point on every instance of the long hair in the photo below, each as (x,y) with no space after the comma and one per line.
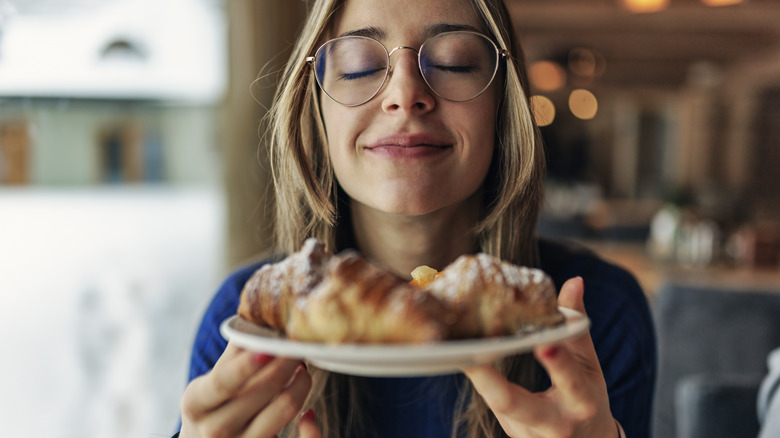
(308,202)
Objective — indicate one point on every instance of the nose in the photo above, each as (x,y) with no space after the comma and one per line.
(406,90)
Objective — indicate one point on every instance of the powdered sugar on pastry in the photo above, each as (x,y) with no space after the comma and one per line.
(315,296)
(268,296)
(495,298)
(358,302)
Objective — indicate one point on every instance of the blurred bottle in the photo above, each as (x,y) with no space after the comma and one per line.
(679,236)
(755,245)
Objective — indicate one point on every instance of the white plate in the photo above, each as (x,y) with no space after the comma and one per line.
(399,360)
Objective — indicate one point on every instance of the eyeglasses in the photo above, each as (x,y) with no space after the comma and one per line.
(457,66)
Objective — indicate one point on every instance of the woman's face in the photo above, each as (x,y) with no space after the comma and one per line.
(408,151)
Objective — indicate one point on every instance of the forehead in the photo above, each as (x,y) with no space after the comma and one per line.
(404,19)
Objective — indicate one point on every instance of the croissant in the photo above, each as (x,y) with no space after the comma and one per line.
(490,297)
(315,296)
(357,302)
(268,296)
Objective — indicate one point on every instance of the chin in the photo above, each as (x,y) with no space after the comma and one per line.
(410,207)
(412,200)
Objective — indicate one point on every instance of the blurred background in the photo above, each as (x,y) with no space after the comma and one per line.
(130,180)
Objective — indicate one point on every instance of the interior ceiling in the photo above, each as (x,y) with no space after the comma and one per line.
(655,50)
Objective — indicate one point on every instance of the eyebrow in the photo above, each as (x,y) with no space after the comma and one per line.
(370,31)
(379,34)
(448,27)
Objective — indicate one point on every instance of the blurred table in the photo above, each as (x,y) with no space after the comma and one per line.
(652,274)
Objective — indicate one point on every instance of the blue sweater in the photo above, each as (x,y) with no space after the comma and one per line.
(621,328)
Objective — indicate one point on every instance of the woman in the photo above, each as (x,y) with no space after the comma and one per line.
(437,158)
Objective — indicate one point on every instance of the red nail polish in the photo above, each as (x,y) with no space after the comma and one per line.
(262,358)
(550,352)
(309,416)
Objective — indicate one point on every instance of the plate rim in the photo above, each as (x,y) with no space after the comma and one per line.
(403,355)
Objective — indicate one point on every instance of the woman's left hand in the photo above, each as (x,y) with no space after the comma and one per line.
(576,405)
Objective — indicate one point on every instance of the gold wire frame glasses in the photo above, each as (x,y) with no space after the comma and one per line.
(457,66)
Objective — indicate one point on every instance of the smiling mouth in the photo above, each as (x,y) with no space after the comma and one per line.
(416,151)
(418,145)
(415,146)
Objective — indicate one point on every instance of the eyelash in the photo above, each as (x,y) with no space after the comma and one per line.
(359,75)
(454,68)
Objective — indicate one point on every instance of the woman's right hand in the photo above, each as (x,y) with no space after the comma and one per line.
(246,394)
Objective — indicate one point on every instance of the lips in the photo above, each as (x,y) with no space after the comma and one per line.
(409,145)
(410,140)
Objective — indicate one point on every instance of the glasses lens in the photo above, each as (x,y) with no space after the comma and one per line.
(351,69)
(458,66)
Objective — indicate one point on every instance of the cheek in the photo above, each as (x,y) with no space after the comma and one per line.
(336,130)
(342,128)
(479,132)
(329,117)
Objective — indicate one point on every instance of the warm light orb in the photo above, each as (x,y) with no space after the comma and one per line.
(721,2)
(586,63)
(645,6)
(547,75)
(582,62)
(583,104)
(543,110)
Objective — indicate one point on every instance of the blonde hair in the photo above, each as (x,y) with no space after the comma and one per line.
(307,197)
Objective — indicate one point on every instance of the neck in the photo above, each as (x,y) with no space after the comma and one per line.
(401,243)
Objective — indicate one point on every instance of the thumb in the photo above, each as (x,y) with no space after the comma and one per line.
(571,294)
(307,426)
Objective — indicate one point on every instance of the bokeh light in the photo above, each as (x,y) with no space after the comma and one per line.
(721,2)
(645,6)
(543,110)
(547,75)
(586,62)
(583,104)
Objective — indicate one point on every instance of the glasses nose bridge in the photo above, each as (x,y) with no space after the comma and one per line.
(399,48)
(395,49)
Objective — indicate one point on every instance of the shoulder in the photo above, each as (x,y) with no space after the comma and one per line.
(621,321)
(225,301)
(606,284)
(209,343)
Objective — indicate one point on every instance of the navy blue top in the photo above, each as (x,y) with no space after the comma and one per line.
(621,328)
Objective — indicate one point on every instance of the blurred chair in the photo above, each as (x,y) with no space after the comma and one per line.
(713,346)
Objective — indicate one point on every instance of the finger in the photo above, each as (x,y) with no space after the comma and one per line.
(268,383)
(282,409)
(565,371)
(275,376)
(504,397)
(576,384)
(223,382)
(576,352)
(307,426)
(571,294)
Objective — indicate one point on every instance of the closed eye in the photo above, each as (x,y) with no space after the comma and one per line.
(360,74)
(454,68)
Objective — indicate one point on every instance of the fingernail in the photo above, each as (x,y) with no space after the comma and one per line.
(550,352)
(262,358)
(309,416)
(302,368)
